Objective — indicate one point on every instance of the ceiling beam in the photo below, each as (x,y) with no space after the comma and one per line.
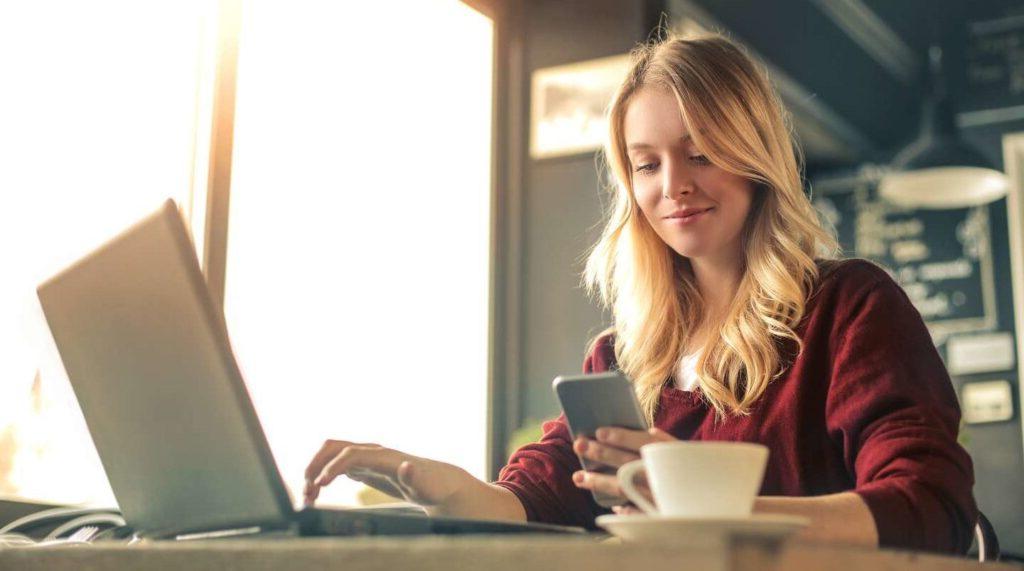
(874,36)
(859,100)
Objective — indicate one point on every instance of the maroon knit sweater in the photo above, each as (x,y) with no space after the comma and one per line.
(866,406)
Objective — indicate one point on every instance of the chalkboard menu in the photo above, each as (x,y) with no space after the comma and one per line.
(995,63)
(941,258)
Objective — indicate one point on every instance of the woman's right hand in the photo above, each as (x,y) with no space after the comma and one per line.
(429,483)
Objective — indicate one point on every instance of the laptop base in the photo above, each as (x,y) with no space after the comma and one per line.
(314,522)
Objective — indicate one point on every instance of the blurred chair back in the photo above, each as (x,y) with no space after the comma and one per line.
(985,536)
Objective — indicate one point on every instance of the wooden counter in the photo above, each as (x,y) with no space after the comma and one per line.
(494,553)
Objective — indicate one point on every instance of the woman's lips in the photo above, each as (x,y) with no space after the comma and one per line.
(686,220)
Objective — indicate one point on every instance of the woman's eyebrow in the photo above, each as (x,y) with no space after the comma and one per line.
(638,147)
(641,146)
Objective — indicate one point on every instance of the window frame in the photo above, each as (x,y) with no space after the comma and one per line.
(211,205)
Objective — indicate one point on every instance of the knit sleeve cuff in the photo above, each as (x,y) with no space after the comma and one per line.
(520,491)
(891,511)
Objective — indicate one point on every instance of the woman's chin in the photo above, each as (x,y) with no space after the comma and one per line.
(689,251)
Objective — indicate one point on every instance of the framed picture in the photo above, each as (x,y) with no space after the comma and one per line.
(567,115)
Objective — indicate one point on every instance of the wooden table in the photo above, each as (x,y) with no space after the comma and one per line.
(493,553)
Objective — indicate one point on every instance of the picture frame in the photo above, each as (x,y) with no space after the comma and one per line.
(569,103)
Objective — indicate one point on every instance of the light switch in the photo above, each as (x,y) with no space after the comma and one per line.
(987,401)
(983,353)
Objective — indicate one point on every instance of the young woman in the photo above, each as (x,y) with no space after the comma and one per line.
(734,324)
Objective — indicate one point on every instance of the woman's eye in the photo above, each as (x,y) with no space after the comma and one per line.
(646,168)
(700,160)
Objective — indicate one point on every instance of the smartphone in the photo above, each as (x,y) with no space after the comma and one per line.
(592,401)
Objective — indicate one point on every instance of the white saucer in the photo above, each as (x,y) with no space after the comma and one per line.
(701,530)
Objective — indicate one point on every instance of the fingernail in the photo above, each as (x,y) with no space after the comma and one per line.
(602,433)
(583,444)
(577,477)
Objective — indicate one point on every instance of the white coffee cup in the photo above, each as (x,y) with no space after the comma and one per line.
(697,478)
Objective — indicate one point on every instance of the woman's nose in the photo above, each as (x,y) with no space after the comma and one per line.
(677,183)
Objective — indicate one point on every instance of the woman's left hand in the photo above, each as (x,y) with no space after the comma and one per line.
(613,447)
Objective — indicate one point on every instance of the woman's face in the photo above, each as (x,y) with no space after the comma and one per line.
(672,178)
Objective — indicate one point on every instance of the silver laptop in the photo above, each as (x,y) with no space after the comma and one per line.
(147,352)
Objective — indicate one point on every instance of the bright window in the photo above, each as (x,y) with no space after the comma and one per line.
(357,277)
(97,127)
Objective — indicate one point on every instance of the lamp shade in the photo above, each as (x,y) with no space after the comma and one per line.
(939,170)
(944,187)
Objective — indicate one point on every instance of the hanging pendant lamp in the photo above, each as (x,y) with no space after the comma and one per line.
(939,170)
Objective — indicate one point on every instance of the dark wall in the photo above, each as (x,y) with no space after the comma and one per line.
(546,319)
(998,448)
(562,201)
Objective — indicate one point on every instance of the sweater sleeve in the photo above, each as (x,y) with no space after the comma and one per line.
(540,474)
(892,408)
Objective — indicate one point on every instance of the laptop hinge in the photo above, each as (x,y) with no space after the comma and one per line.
(229,531)
(221,533)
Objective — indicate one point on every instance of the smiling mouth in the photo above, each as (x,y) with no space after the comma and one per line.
(691,215)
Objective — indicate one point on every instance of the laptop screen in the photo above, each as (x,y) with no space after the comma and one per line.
(149,359)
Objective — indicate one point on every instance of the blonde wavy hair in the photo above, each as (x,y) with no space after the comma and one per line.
(737,120)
